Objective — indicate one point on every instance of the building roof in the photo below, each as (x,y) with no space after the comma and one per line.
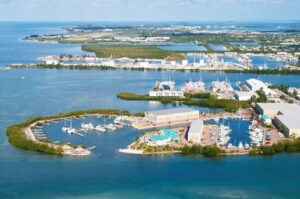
(288,114)
(290,121)
(257,84)
(172,111)
(245,93)
(283,108)
(196,127)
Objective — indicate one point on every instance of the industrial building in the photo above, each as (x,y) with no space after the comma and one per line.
(195,131)
(285,116)
(256,85)
(176,115)
(244,95)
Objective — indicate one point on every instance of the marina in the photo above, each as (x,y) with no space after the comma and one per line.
(107,172)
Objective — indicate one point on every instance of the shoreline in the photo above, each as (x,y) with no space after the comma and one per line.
(21,136)
(282,71)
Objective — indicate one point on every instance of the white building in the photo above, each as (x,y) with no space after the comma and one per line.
(256,85)
(167,93)
(172,115)
(244,95)
(285,116)
(144,64)
(195,131)
(111,63)
(184,62)
(52,62)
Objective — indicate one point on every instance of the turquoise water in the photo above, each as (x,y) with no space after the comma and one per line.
(166,134)
(107,173)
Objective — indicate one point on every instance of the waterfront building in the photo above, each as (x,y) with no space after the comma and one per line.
(175,115)
(285,116)
(255,85)
(52,62)
(244,95)
(167,93)
(184,62)
(110,63)
(195,131)
(144,64)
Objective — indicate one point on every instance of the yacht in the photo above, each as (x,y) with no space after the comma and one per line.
(193,87)
(100,128)
(111,127)
(241,146)
(70,129)
(87,126)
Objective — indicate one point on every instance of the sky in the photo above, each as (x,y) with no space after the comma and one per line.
(149,10)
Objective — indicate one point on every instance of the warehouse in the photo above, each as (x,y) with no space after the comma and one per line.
(285,116)
(195,131)
(172,115)
(244,95)
(256,85)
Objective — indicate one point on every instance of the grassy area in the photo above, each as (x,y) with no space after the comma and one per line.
(205,100)
(209,151)
(17,137)
(290,146)
(145,52)
(136,97)
(228,105)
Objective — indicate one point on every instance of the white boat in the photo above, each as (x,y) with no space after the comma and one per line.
(223,135)
(193,87)
(111,127)
(229,145)
(69,130)
(241,146)
(100,128)
(87,126)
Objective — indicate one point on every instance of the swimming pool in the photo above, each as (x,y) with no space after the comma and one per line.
(166,134)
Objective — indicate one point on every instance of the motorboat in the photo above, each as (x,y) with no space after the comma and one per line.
(100,128)
(111,127)
(87,126)
(241,146)
(69,130)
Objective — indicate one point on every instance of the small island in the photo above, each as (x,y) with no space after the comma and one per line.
(21,135)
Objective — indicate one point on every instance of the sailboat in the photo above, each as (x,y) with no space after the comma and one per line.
(70,129)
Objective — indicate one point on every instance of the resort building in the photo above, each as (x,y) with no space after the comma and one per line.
(169,116)
(244,95)
(285,116)
(256,85)
(195,131)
